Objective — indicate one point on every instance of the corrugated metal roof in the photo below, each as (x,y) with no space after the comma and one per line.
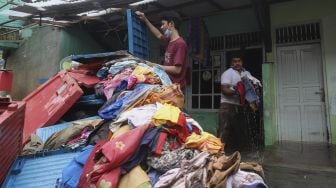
(64,12)
(42,171)
(6,5)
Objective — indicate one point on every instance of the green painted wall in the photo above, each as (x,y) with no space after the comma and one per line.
(207,120)
(270,128)
(26,33)
(39,56)
(36,58)
(299,11)
(242,20)
(77,41)
(329,49)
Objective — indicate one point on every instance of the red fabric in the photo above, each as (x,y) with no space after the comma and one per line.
(241,89)
(84,78)
(174,144)
(175,55)
(115,153)
(180,131)
(110,179)
(88,167)
(183,133)
(160,143)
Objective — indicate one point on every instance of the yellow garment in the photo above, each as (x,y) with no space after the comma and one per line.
(204,142)
(123,129)
(140,73)
(166,112)
(133,178)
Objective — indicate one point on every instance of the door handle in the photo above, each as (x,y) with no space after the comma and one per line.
(321,92)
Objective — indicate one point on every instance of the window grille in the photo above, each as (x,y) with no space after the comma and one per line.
(298,33)
(232,41)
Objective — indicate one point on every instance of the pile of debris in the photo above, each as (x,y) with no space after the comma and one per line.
(141,136)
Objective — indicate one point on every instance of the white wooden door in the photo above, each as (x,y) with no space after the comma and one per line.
(301,95)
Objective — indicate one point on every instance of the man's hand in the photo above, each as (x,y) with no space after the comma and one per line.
(151,27)
(141,15)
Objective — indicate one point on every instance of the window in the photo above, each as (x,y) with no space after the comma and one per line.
(205,87)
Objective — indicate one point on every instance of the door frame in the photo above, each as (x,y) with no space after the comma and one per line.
(277,98)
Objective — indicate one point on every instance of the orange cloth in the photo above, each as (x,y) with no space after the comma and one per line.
(170,94)
(204,142)
(150,98)
(173,94)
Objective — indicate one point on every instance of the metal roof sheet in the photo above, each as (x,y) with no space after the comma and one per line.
(38,171)
(45,132)
(5,21)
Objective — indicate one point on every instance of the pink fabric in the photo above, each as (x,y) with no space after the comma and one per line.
(111,84)
(132,80)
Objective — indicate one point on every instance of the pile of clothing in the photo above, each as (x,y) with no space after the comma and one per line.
(143,138)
